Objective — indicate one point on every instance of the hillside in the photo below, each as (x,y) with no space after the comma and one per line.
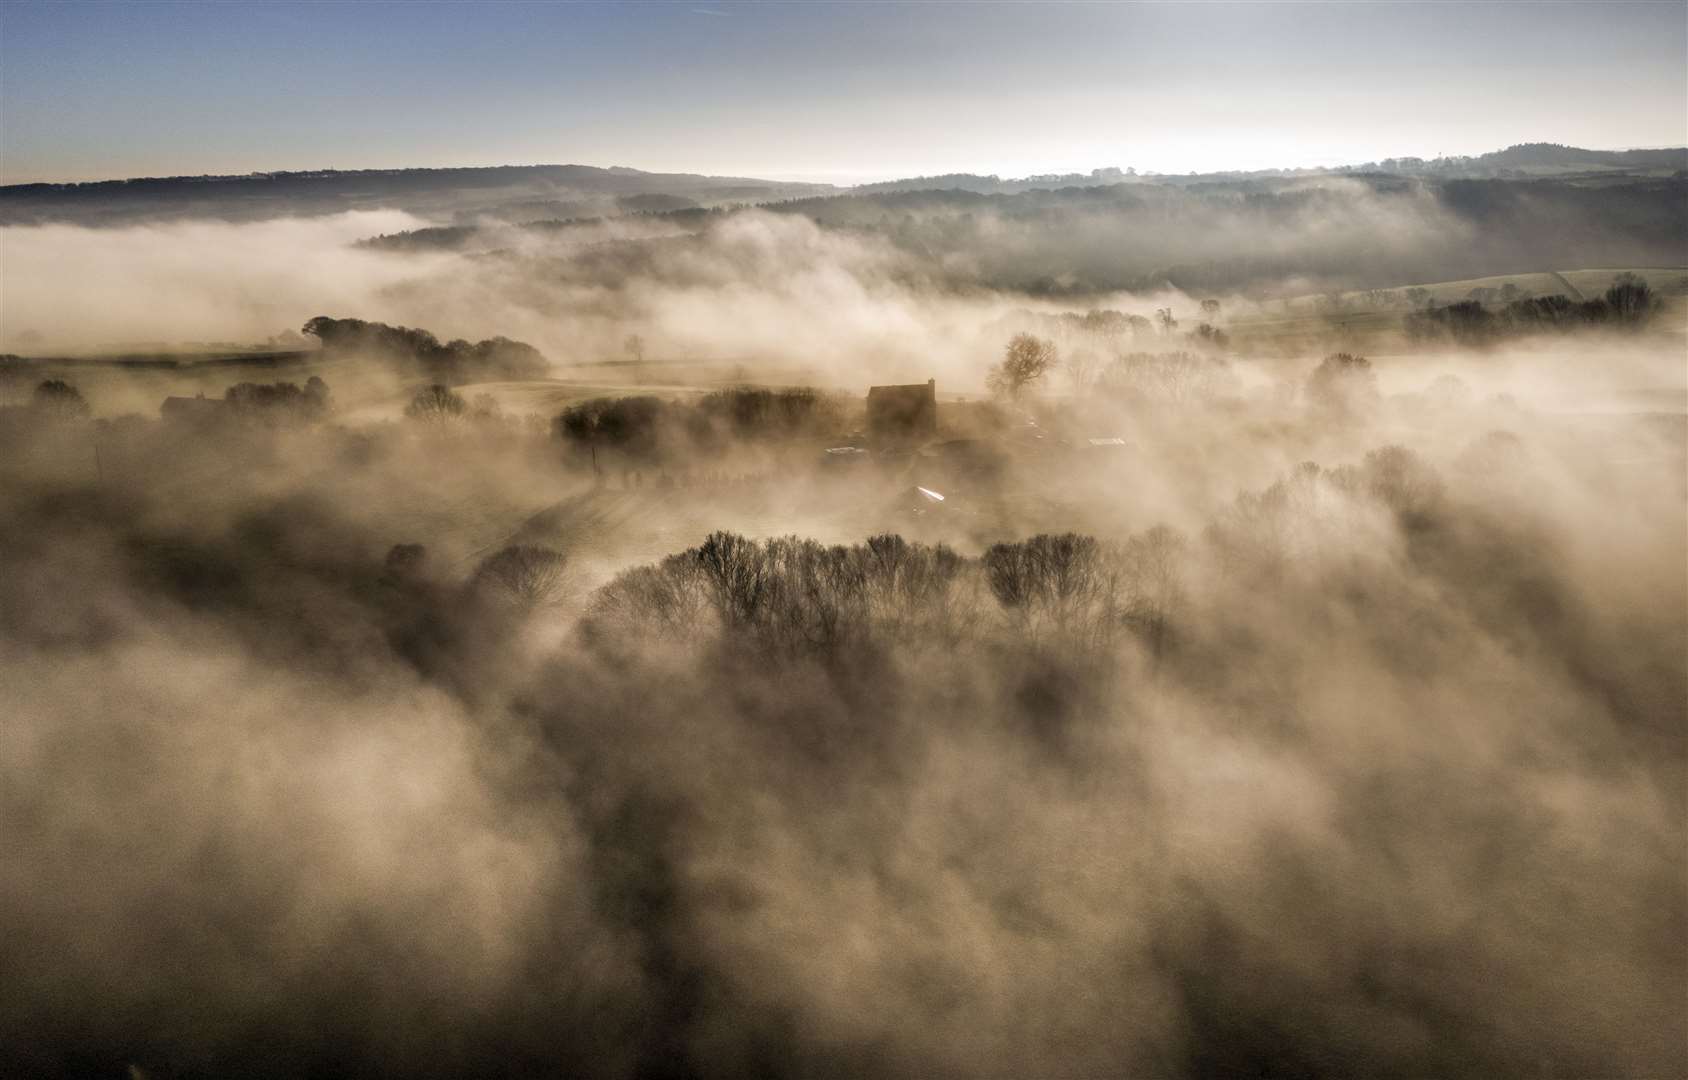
(1526,160)
(1222,235)
(522,191)
(521,194)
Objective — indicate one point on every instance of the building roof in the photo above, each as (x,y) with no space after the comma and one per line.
(190,406)
(903,389)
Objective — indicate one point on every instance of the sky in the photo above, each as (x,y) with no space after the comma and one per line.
(836,92)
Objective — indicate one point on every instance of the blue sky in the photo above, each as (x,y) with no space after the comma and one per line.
(840,92)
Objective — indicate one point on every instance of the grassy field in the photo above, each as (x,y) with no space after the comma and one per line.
(1577,284)
(1362,321)
(1369,321)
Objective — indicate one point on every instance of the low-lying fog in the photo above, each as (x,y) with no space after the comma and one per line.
(1345,737)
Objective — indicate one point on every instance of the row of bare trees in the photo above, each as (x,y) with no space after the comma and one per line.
(791,596)
(1167,376)
(1629,304)
(1080,589)
(645,428)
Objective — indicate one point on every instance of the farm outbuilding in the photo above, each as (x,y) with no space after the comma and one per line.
(896,413)
(191,409)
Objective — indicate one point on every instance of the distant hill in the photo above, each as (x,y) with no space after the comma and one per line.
(1215,235)
(995,185)
(1526,160)
(1555,155)
(522,194)
(1519,162)
(499,191)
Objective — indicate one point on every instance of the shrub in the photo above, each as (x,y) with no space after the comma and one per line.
(1630,301)
(60,400)
(759,413)
(436,404)
(1465,323)
(280,400)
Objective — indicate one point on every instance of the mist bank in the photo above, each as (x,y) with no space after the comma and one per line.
(861,289)
(1330,231)
(1218,698)
(517,193)
(1345,735)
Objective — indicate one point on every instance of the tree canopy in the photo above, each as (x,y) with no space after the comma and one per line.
(452,363)
(1025,360)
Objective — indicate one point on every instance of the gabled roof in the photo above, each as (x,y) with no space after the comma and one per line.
(905,389)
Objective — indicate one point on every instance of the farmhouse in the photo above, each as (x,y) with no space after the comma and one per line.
(896,413)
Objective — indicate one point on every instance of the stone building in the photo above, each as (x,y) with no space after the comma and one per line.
(903,413)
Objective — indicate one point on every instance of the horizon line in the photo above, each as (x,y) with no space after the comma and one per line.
(782,176)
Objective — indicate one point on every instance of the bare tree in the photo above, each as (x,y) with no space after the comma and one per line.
(737,578)
(1026,360)
(1401,479)
(1064,583)
(1082,367)
(436,404)
(1343,385)
(523,575)
(1176,378)
(1152,570)
(634,347)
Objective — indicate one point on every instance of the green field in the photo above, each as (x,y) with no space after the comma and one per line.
(1582,284)
(1370,320)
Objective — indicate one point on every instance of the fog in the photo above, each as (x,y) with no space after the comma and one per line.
(756,287)
(1329,720)
(854,289)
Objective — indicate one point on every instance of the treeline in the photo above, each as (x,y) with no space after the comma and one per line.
(1112,326)
(276,403)
(54,400)
(791,597)
(647,428)
(1173,378)
(1213,236)
(416,351)
(1062,766)
(1629,304)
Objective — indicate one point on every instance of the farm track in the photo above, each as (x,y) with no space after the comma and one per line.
(1571,290)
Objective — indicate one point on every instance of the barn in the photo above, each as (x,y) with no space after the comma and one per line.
(903,413)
